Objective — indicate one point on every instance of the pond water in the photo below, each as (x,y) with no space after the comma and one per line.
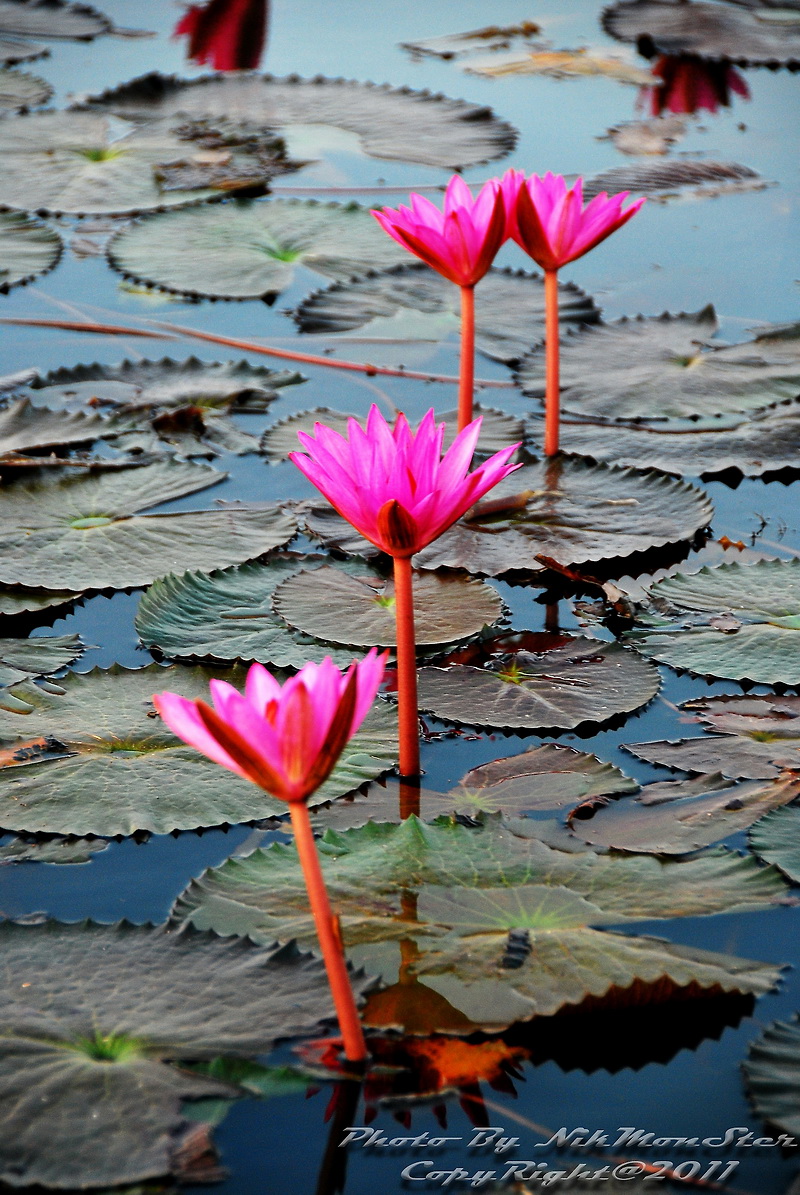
(672,1070)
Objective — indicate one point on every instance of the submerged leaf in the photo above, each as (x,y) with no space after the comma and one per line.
(21,659)
(662,180)
(772,1074)
(27,248)
(751,35)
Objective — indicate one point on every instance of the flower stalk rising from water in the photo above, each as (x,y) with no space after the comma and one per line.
(460,243)
(287,739)
(394,486)
(550,223)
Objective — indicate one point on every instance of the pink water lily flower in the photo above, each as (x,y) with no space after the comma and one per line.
(284,738)
(392,484)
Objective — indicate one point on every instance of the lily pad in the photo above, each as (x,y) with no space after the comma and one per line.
(51,850)
(772,1074)
(52,20)
(776,839)
(740,622)
(359,611)
(560,64)
(27,248)
(395,123)
(663,180)
(94,1015)
(495,882)
(85,532)
(566,684)
(13,50)
(751,36)
(79,163)
(413,302)
(758,738)
(664,368)
(20,91)
(24,428)
(122,770)
(498,430)
(23,601)
(249,250)
(24,658)
(656,136)
(675,817)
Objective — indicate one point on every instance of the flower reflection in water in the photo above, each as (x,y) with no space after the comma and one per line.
(227,35)
(689,84)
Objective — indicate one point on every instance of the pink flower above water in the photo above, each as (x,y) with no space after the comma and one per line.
(459,242)
(392,484)
(549,221)
(286,739)
(228,35)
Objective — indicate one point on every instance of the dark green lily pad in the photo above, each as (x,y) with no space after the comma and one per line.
(20,91)
(25,428)
(250,250)
(498,430)
(24,658)
(413,302)
(395,123)
(22,601)
(675,817)
(495,882)
(664,180)
(740,622)
(122,770)
(85,532)
(359,611)
(576,681)
(52,850)
(664,368)
(93,1015)
(758,737)
(772,1074)
(750,36)
(27,248)
(776,839)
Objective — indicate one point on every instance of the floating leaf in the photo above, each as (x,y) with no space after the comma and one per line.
(495,882)
(24,658)
(94,1014)
(575,681)
(13,51)
(250,250)
(413,302)
(24,428)
(51,850)
(675,817)
(759,737)
(498,430)
(453,45)
(21,601)
(753,36)
(125,771)
(27,248)
(359,611)
(51,19)
(560,64)
(20,91)
(662,180)
(84,532)
(772,1074)
(395,123)
(765,645)
(776,839)
(656,136)
(663,368)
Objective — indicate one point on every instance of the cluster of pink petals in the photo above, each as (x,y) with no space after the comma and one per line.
(459,242)
(548,220)
(228,35)
(286,739)
(392,484)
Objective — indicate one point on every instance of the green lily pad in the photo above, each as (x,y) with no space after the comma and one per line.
(567,509)
(772,1074)
(84,532)
(24,658)
(20,91)
(760,736)
(739,621)
(566,684)
(413,302)
(675,817)
(27,248)
(664,180)
(395,123)
(245,250)
(122,770)
(52,850)
(23,601)
(776,839)
(359,611)
(498,430)
(495,881)
(663,368)
(93,1015)
(25,428)
(750,36)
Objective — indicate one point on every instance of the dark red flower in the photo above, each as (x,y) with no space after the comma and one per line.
(228,35)
(690,84)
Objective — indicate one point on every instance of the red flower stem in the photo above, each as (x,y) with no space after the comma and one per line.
(406,668)
(466,381)
(344,1002)
(551,413)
